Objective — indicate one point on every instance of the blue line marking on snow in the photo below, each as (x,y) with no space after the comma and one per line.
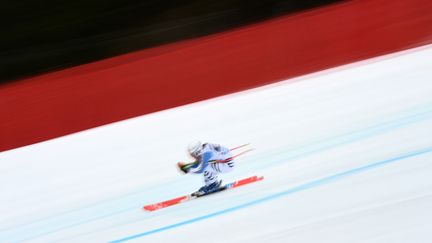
(305,186)
(328,143)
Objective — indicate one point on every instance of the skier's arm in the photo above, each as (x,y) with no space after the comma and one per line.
(199,168)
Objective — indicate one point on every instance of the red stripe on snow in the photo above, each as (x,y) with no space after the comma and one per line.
(80,98)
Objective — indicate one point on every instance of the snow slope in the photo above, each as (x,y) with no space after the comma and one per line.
(346,155)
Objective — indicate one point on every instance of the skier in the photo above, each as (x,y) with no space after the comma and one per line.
(210,160)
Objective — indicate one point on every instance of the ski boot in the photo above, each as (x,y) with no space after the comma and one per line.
(207,189)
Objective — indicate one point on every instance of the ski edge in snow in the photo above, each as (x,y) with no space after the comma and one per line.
(178,200)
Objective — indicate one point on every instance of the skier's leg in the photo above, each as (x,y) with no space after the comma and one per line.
(211,182)
(210,175)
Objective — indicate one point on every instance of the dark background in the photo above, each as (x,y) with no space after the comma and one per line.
(47,35)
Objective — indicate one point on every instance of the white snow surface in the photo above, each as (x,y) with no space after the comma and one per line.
(346,155)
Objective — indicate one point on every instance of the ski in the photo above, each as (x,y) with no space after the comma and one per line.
(178,200)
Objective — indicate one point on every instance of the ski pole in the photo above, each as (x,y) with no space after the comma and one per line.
(230,158)
(241,146)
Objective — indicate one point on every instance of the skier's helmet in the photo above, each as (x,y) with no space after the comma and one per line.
(195,149)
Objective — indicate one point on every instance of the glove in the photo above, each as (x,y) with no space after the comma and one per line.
(184,167)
